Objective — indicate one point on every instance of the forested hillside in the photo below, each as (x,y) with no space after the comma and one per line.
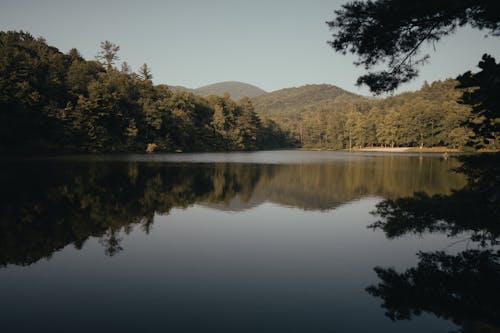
(324,116)
(235,89)
(56,102)
(302,111)
(313,97)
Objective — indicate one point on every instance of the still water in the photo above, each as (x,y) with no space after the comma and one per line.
(236,242)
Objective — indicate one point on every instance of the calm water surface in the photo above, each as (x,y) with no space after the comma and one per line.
(237,242)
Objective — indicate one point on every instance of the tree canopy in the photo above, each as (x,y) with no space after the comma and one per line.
(56,102)
(322,116)
(51,101)
(482,94)
(391,33)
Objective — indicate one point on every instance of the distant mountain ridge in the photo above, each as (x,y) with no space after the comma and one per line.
(235,89)
(181,88)
(311,97)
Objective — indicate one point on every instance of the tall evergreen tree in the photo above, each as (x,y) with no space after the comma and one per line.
(145,72)
(108,55)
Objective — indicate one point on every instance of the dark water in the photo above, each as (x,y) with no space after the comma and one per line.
(244,242)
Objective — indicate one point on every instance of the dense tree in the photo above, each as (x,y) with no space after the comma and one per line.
(32,91)
(61,102)
(248,123)
(108,55)
(353,131)
(80,74)
(145,72)
(425,118)
(57,102)
(483,94)
(391,32)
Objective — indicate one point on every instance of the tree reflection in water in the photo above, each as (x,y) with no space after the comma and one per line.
(462,287)
(47,205)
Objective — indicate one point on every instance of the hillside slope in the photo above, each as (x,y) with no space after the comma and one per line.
(325,116)
(181,88)
(313,97)
(237,90)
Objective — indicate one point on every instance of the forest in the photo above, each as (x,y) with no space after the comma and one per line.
(325,116)
(61,103)
(56,102)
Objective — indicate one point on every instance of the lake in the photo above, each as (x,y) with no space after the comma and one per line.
(278,241)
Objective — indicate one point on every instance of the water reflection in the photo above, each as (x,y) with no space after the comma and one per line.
(463,286)
(47,205)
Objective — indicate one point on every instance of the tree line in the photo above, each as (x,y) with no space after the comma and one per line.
(387,39)
(432,116)
(56,102)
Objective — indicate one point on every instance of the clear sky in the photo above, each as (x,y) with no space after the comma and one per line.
(272,44)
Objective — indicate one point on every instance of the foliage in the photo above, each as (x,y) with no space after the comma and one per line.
(482,94)
(108,55)
(145,72)
(323,116)
(392,31)
(57,102)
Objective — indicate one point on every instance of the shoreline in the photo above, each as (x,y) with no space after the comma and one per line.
(409,150)
(395,150)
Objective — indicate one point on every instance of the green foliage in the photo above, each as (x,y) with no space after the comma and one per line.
(32,90)
(57,102)
(145,72)
(108,55)
(391,32)
(481,93)
(322,116)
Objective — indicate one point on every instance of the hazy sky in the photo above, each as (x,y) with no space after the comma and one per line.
(272,44)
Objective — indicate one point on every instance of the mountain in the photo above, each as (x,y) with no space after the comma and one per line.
(181,88)
(236,89)
(306,112)
(312,97)
(325,116)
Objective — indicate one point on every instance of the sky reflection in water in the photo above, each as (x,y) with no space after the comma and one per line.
(197,247)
